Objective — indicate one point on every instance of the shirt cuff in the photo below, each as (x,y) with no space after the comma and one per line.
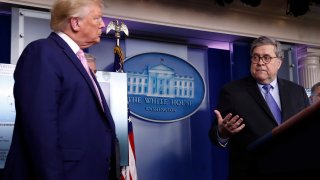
(222,141)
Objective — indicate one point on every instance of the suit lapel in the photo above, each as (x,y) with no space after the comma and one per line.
(105,106)
(254,91)
(74,59)
(284,97)
(104,103)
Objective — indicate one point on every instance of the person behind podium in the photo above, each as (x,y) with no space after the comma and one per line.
(315,93)
(91,59)
(63,129)
(243,115)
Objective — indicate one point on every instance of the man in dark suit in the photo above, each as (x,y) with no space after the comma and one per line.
(91,62)
(243,114)
(315,93)
(63,128)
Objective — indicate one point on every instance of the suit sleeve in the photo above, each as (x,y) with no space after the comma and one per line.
(36,90)
(225,105)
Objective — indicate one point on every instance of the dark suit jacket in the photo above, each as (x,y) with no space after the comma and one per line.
(61,131)
(243,98)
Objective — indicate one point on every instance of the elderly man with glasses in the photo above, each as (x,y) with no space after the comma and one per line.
(251,107)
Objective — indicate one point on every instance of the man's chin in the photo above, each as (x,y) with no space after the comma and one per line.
(88,44)
(261,79)
(96,41)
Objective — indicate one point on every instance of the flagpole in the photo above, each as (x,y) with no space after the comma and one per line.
(118,28)
(128,172)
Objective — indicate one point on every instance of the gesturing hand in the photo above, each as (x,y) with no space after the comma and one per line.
(228,125)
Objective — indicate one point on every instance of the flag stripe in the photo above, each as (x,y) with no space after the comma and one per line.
(130,172)
(127,172)
(131,140)
(132,164)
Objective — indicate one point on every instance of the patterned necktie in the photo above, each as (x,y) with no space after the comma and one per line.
(84,62)
(273,106)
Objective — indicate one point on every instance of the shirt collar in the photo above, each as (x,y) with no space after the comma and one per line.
(73,45)
(274,84)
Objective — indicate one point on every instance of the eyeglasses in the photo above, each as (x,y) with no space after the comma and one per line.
(265,59)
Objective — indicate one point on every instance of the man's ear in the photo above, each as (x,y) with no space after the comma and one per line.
(279,63)
(74,24)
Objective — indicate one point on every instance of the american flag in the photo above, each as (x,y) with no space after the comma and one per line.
(118,59)
(130,172)
(127,172)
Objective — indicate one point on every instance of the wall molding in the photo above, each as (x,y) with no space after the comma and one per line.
(236,18)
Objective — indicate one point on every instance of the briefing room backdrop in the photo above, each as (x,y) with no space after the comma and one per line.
(176,150)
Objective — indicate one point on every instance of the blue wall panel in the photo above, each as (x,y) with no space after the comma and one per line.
(241,60)
(200,122)
(219,74)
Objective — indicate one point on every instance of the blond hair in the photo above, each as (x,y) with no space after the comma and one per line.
(63,10)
